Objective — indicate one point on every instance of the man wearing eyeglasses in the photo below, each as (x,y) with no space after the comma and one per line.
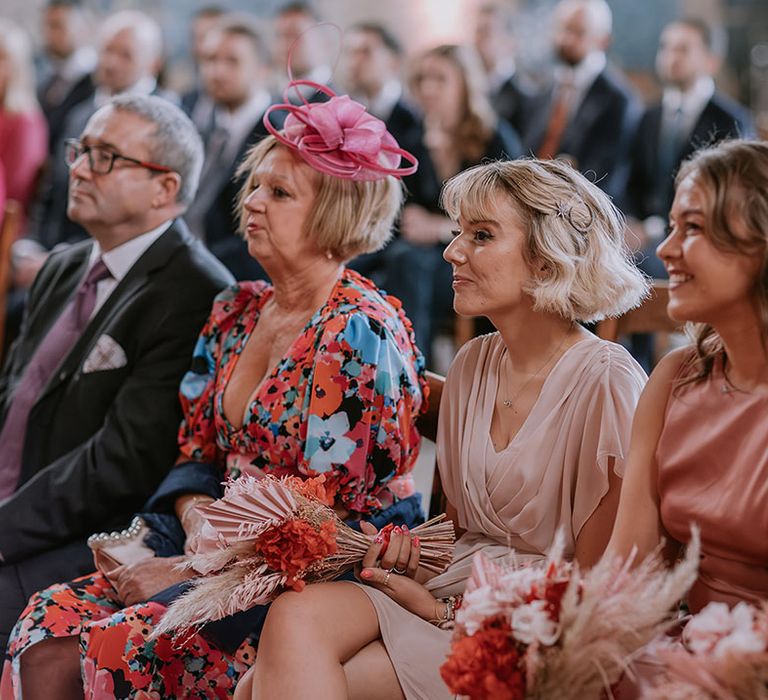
(88,398)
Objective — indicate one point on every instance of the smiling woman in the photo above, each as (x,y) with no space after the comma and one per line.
(701,452)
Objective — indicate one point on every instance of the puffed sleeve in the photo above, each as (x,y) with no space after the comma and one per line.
(608,412)
(367,390)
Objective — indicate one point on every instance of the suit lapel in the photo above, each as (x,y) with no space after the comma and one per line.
(586,113)
(704,132)
(157,255)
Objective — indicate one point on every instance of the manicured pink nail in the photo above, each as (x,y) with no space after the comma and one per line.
(396,530)
(379,538)
(405,529)
(366,573)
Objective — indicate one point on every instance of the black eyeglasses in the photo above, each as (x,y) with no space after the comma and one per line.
(101,159)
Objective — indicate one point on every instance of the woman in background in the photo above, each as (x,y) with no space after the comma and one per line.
(461,129)
(23,132)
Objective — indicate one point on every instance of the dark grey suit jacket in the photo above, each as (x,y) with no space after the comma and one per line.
(599,135)
(650,192)
(98,443)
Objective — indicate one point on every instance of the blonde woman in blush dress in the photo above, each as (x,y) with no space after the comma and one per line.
(533,432)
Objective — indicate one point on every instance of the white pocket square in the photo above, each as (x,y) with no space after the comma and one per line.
(106,354)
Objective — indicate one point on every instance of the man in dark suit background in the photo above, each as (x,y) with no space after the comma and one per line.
(510,93)
(590,115)
(235,77)
(196,102)
(68,80)
(129,61)
(88,398)
(691,114)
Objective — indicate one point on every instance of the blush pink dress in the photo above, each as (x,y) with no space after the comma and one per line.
(712,461)
(552,475)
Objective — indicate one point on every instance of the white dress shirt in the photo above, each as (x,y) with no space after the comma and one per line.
(690,103)
(120,260)
(580,78)
(239,122)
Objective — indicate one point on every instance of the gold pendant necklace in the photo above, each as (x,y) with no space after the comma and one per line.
(509,403)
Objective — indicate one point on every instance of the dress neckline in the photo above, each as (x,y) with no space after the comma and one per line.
(274,371)
(536,404)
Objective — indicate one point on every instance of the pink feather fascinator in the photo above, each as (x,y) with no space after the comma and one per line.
(339,137)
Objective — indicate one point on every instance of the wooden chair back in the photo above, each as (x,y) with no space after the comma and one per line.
(427,422)
(9,229)
(650,317)
(427,425)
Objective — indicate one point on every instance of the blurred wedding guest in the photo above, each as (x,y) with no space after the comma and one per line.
(691,114)
(196,102)
(307,56)
(236,74)
(372,63)
(71,62)
(88,397)
(23,132)
(511,93)
(130,57)
(461,130)
(590,114)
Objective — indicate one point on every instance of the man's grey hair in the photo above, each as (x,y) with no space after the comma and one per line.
(175,142)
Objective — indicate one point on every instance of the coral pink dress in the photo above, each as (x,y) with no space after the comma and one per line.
(23,150)
(712,461)
(552,475)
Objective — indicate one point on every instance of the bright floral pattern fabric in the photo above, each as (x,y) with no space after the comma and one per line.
(341,403)
(123,662)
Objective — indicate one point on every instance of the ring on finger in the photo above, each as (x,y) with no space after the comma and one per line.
(402,571)
(386,578)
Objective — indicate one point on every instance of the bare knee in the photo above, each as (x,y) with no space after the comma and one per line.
(294,615)
(52,658)
(60,651)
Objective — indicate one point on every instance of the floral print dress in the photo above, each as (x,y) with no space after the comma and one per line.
(342,402)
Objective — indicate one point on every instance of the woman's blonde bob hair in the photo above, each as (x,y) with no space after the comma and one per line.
(734,176)
(348,218)
(573,231)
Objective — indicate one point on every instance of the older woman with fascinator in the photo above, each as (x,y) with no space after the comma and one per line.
(314,374)
(533,433)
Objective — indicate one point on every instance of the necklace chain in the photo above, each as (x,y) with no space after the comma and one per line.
(510,402)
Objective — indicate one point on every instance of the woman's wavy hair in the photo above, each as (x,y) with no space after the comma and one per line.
(734,175)
(478,120)
(573,231)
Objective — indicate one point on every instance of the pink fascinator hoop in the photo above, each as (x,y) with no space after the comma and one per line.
(338,137)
